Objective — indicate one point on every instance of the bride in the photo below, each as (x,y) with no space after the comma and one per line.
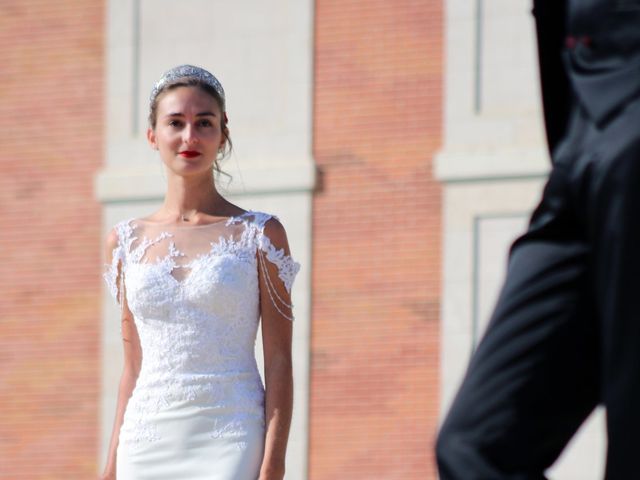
(192,281)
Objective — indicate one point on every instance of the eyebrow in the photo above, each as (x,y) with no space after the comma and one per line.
(201,114)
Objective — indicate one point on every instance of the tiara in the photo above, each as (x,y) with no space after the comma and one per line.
(188,71)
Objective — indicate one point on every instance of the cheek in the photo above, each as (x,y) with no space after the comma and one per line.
(211,136)
(167,139)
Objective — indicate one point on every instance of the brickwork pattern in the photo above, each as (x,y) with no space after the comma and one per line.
(376,241)
(51,116)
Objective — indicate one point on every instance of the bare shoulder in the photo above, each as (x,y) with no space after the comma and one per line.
(111,243)
(112,238)
(276,232)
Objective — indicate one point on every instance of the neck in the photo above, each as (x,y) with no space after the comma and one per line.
(190,195)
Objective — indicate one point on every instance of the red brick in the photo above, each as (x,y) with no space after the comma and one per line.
(376,244)
(51,87)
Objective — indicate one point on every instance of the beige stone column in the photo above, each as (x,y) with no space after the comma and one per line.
(262,53)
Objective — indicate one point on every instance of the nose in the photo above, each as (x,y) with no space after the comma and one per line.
(189,134)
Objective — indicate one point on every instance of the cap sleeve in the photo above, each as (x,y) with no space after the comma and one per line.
(279,269)
(115,261)
(275,251)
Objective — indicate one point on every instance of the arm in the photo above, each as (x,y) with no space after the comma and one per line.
(275,309)
(132,361)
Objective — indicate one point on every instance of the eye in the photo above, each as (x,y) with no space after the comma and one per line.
(175,123)
(205,123)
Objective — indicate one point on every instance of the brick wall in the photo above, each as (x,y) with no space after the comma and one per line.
(376,270)
(51,109)
(376,238)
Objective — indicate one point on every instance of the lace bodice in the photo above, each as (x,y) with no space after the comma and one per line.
(194,294)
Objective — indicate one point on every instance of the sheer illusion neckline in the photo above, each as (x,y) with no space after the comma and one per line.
(167,261)
(177,226)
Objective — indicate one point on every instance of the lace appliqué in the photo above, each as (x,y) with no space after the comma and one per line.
(198,334)
(110,274)
(119,257)
(241,249)
(288,268)
(231,429)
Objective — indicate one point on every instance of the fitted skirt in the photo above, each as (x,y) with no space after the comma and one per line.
(193,443)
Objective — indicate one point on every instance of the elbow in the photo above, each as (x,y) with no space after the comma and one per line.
(279,362)
(279,371)
(457,449)
(446,456)
(131,371)
(132,363)
(463,453)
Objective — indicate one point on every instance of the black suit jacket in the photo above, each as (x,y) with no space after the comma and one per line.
(589,52)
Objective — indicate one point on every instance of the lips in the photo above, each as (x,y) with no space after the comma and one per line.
(189,154)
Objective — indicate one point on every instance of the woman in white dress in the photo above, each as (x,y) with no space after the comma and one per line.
(193,280)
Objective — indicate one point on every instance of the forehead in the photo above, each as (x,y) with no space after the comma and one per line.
(186,100)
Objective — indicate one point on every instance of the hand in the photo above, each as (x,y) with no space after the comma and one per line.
(107,475)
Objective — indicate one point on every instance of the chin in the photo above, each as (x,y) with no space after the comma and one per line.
(190,169)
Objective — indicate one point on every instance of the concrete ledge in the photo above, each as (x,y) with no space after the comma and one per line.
(135,183)
(472,165)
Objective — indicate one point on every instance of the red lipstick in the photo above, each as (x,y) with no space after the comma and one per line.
(189,154)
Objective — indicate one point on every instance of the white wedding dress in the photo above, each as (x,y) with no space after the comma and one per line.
(197,410)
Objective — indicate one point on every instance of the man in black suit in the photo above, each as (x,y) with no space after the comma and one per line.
(565,334)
